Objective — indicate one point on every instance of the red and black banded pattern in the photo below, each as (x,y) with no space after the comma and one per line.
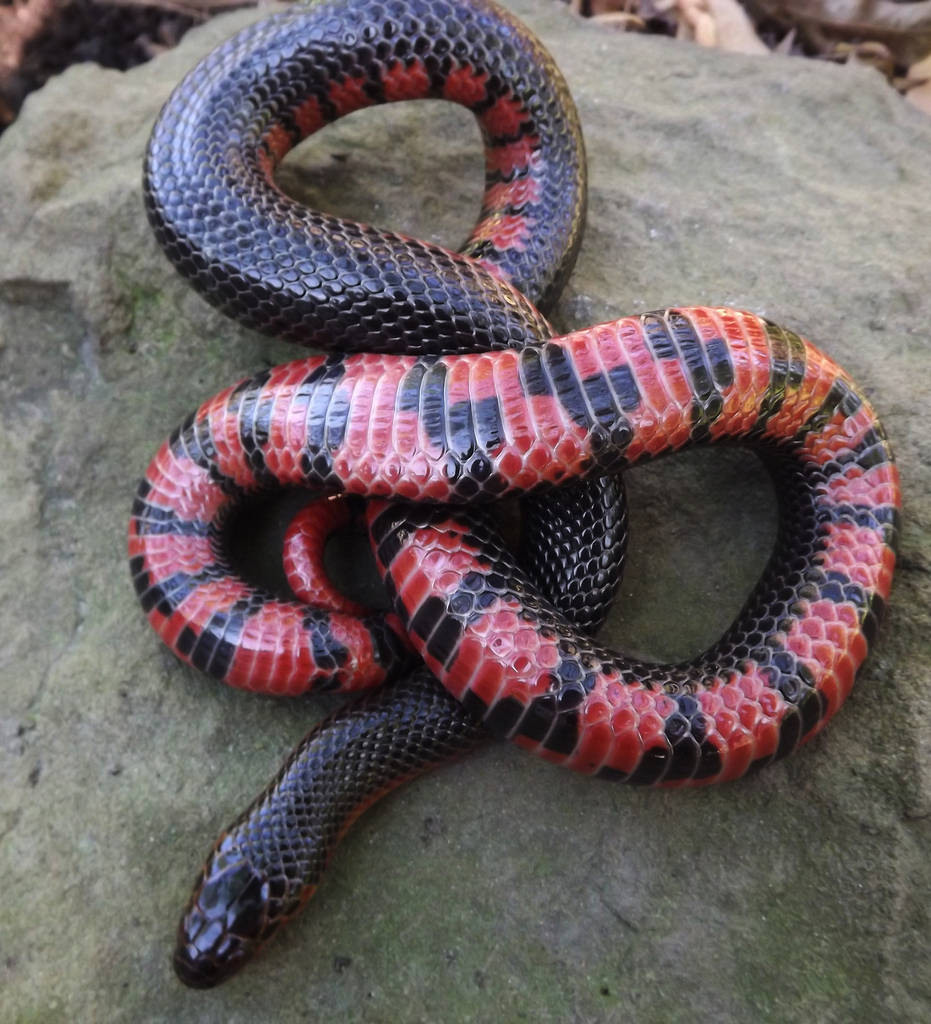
(629,391)
(571,552)
(296,273)
(202,609)
(302,555)
(468,428)
(592,402)
(268,863)
(283,269)
(611,396)
(221,623)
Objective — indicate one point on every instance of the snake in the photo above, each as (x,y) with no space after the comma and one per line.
(449,393)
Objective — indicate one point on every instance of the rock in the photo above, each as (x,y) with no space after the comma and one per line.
(499,888)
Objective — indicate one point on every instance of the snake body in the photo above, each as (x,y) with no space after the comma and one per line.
(442,427)
(315,279)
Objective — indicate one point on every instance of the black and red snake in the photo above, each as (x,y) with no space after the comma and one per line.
(448,394)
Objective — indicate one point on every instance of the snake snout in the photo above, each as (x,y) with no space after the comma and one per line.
(225,921)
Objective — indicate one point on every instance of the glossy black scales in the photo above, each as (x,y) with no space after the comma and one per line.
(295,273)
(270,860)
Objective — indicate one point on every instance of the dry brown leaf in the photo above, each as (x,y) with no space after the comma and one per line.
(201,9)
(734,28)
(19,22)
(695,22)
(904,27)
(7,114)
(621,20)
(875,55)
(919,91)
(602,9)
(719,23)
(784,46)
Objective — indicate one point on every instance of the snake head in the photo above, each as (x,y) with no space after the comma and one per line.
(226,920)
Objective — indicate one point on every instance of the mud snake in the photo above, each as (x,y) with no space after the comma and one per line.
(441,398)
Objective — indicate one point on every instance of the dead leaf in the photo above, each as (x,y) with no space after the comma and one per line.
(200,9)
(734,29)
(873,54)
(719,23)
(695,22)
(600,8)
(919,92)
(620,20)
(784,46)
(904,27)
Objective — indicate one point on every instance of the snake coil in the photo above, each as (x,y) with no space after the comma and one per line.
(452,391)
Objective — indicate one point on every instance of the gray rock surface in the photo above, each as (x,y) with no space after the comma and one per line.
(500,888)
